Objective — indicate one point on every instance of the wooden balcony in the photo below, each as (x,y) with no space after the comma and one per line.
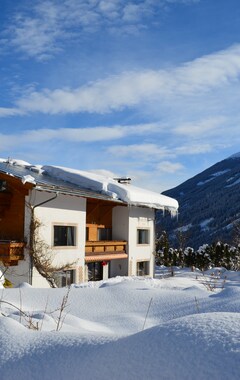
(105,250)
(11,252)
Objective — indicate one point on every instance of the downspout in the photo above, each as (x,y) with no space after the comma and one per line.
(154,238)
(32,215)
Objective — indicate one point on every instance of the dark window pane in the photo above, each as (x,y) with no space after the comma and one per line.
(104,234)
(142,268)
(87,233)
(64,278)
(95,271)
(143,236)
(64,235)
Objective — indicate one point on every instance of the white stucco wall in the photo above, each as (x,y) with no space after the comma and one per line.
(120,223)
(140,217)
(64,210)
(120,231)
(126,222)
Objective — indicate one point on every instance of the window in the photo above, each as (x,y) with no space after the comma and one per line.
(87,233)
(142,236)
(64,278)
(95,271)
(64,236)
(142,268)
(104,234)
(3,186)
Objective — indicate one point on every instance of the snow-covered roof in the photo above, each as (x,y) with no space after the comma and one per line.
(109,187)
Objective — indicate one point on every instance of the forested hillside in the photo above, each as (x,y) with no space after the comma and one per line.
(209,206)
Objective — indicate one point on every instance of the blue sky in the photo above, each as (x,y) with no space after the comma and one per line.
(148,89)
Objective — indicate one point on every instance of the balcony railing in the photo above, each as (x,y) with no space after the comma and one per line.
(11,252)
(105,246)
(105,250)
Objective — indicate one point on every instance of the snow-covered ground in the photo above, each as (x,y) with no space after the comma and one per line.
(167,328)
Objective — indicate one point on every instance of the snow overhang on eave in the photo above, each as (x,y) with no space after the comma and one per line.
(135,196)
(172,210)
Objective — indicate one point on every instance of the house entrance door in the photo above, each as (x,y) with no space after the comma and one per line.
(95,271)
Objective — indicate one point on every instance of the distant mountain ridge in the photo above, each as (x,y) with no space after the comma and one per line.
(209,205)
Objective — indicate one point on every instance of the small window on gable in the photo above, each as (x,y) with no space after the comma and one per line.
(64,236)
(3,186)
(143,236)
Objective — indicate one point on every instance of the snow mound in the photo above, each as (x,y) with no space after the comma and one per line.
(193,347)
(125,328)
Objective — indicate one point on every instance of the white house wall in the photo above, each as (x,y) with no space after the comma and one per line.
(120,231)
(126,222)
(140,217)
(64,210)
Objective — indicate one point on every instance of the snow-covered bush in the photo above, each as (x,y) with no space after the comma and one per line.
(205,257)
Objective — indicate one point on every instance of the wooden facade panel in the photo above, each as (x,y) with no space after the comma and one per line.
(12,209)
(99,215)
(15,183)
(99,212)
(12,220)
(92,232)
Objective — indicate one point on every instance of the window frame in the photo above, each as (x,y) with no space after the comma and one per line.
(145,241)
(104,234)
(65,278)
(143,268)
(66,225)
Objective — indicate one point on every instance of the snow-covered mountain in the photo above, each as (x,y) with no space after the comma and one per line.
(209,205)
